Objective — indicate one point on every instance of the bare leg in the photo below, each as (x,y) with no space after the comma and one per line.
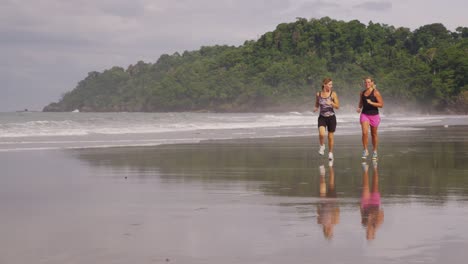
(322,186)
(375,138)
(365,183)
(375,181)
(321,135)
(331,181)
(331,141)
(365,134)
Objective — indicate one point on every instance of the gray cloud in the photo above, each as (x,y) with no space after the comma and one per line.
(122,8)
(319,5)
(315,9)
(47,39)
(375,6)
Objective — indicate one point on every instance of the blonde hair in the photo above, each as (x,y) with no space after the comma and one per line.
(371,79)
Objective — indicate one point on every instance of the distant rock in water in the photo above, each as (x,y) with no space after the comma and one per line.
(53,107)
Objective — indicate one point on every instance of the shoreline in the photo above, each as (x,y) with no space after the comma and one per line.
(312,135)
(198,135)
(149,204)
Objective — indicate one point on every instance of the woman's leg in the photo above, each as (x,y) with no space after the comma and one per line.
(321,135)
(365,134)
(375,181)
(375,138)
(331,141)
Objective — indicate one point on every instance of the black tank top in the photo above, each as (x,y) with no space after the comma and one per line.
(366,107)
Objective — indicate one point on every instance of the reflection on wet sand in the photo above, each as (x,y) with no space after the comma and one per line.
(413,161)
(239,202)
(372,215)
(328,211)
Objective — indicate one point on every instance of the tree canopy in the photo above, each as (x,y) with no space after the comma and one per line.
(283,68)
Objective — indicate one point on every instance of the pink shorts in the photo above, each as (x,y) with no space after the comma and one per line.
(374,199)
(374,120)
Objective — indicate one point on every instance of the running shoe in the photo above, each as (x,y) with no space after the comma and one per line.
(364,165)
(374,155)
(365,153)
(330,155)
(321,150)
(322,170)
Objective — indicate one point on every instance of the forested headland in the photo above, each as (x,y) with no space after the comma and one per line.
(427,67)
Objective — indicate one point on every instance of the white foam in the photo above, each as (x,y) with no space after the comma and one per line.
(46,130)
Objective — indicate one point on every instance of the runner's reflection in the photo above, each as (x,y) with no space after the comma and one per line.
(372,215)
(328,211)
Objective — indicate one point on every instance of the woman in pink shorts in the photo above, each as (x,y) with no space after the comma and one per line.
(372,214)
(370,101)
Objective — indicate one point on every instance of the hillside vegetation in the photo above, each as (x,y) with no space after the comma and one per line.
(283,68)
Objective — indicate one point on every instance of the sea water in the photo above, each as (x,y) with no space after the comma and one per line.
(38,130)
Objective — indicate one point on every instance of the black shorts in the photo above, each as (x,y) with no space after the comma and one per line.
(328,122)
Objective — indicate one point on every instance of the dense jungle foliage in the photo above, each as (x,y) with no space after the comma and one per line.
(282,69)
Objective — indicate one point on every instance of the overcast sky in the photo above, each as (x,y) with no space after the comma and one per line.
(48,46)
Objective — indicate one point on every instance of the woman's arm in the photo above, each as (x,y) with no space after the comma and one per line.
(360,103)
(379,102)
(335,103)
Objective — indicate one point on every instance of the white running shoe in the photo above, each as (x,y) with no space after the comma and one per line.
(322,170)
(365,153)
(321,150)
(330,155)
(374,155)
(364,165)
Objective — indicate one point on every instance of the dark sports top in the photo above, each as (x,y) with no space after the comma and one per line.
(366,107)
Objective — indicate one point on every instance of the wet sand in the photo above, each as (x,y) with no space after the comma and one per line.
(240,201)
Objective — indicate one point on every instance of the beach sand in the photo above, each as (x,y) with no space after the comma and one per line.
(239,201)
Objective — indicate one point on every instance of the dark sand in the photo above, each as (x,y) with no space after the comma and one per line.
(242,201)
